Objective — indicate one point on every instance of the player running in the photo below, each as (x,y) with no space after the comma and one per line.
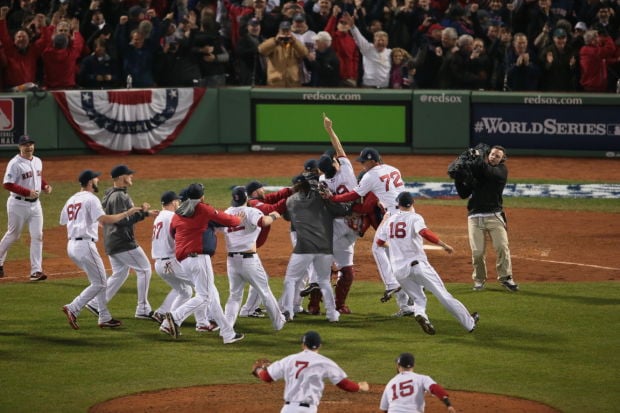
(82,215)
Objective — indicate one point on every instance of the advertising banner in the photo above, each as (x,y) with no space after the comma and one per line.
(571,127)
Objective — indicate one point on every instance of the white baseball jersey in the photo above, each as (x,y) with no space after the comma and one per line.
(162,242)
(344,180)
(24,172)
(385,182)
(405,393)
(243,237)
(303,374)
(401,232)
(81,214)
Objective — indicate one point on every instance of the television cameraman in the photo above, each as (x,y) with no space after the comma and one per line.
(482,178)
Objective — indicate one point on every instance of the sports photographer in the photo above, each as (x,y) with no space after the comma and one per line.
(481,175)
(284,54)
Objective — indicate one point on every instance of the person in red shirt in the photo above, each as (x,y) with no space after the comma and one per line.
(345,47)
(22,55)
(195,243)
(593,61)
(60,61)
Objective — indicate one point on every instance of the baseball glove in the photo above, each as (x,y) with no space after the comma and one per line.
(259,364)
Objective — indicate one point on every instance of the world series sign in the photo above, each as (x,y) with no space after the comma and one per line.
(12,120)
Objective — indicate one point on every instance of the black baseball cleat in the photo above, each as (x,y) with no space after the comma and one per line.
(172,326)
(311,287)
(1,271)
(425,324)
(476,318)
(149,316)
(38,276)
(387,294)
(111,323)
(509,284)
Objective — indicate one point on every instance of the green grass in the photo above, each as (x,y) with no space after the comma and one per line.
(551,342)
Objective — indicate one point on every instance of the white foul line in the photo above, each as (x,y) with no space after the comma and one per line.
(569,263)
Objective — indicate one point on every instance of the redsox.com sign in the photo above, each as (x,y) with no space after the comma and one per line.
(12,120)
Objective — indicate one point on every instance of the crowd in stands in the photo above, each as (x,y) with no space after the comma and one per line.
(523,45)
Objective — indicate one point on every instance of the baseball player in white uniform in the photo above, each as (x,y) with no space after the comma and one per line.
(386,183)
(24,180)
(339,176)
(303,375)
(82,215)
(404,233)
(405,392)
(170,269)
(243,264)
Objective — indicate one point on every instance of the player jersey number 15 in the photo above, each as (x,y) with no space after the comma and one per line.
(393,177)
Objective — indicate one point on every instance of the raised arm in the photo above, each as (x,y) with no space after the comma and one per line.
(327,123)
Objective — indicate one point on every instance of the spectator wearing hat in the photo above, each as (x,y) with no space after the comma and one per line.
(300,30)
(559,65)
(120,243)
(429,56)
(243,264)
(344,46)
(268,21)
(25,182)
(577,41)
(93,20)
(22,53)
(195,243)
(404,400)
(250,63)
(298,396)
(83,233)
(284,54)
(324,63)
(376,56)
(593,61)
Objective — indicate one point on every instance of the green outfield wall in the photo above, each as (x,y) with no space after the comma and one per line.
(242,119)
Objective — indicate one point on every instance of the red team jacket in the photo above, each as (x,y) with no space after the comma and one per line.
(192,234)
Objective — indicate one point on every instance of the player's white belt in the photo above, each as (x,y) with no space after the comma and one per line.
(300,404)
(21,198)
(82,239)
(243,254)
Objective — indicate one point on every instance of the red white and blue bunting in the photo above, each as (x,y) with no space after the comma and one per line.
(124,121)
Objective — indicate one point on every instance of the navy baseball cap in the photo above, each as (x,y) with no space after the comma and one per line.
(183,194)
(369,154)
(119,170)
(406,360)
(312,340)
(285,26)
(298,179)
(195,191)
(86,176)
(404,199)
(168,196)
(310,165)
(253,186)
(326,165)
(24,139)
(239,196)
